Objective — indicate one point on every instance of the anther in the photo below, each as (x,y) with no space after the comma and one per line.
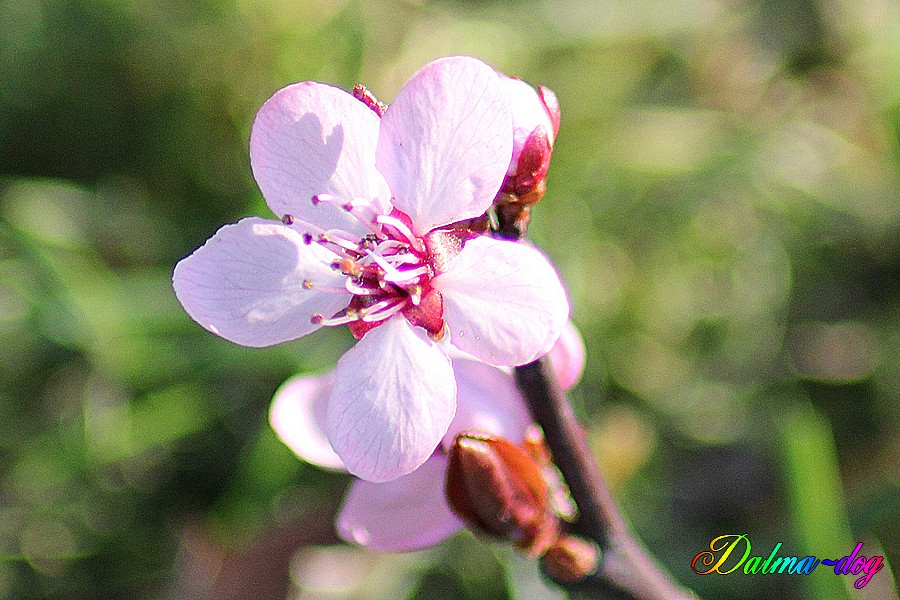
(317,319)
(307,284)
(349,267)
(368,243)
(307,238)
(415,294)
(288,220)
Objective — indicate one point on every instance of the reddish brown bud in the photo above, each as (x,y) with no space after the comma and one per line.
(497,488)
(571,559)
(535,125)
(529,182)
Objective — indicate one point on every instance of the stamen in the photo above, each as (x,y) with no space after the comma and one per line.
(350,317)
(403,259)
(323,289)
(357,290)
(370,242)
(355,207)
(349,267)
(405,276)
(287,219)
(333,237)
(384,270)
(399,253)
(386,245)
(389,270)
(361,209)
(325,199)
(372,316)
(403,230)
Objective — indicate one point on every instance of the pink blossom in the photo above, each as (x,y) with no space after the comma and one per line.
(411,512)
(366,239)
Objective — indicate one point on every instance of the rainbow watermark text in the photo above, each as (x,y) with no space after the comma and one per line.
(722,559)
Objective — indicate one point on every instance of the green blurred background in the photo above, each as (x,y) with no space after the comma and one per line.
(723,204)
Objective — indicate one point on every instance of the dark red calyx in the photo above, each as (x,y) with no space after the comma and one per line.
(428,313)
(442,245)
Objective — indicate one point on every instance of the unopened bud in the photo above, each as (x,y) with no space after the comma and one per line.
(535,125)
(571,559)
(361,93)
(497,488)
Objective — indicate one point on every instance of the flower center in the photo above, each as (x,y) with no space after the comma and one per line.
(387,272)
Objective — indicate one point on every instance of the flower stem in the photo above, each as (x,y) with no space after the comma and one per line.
(626,570)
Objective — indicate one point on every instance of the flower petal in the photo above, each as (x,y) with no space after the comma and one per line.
(446,142)
(246,283)
(503,301)
(487,401)
(567,356)
(297,415)
(311,138)
(409,513)
(393,398)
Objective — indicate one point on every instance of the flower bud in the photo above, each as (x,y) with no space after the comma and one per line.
(535,125)
(571,559)
(362,93)
(497,488)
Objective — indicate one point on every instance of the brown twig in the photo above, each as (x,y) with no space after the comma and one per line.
(626,570)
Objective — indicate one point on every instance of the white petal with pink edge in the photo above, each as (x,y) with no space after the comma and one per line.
(311,138)
(446,142)
(409,513)
(255,283)
(393,398)
(297,415)
(503,301)
(487,401)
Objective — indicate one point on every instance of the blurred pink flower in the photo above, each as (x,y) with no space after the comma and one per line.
(411,512)
(366,202)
